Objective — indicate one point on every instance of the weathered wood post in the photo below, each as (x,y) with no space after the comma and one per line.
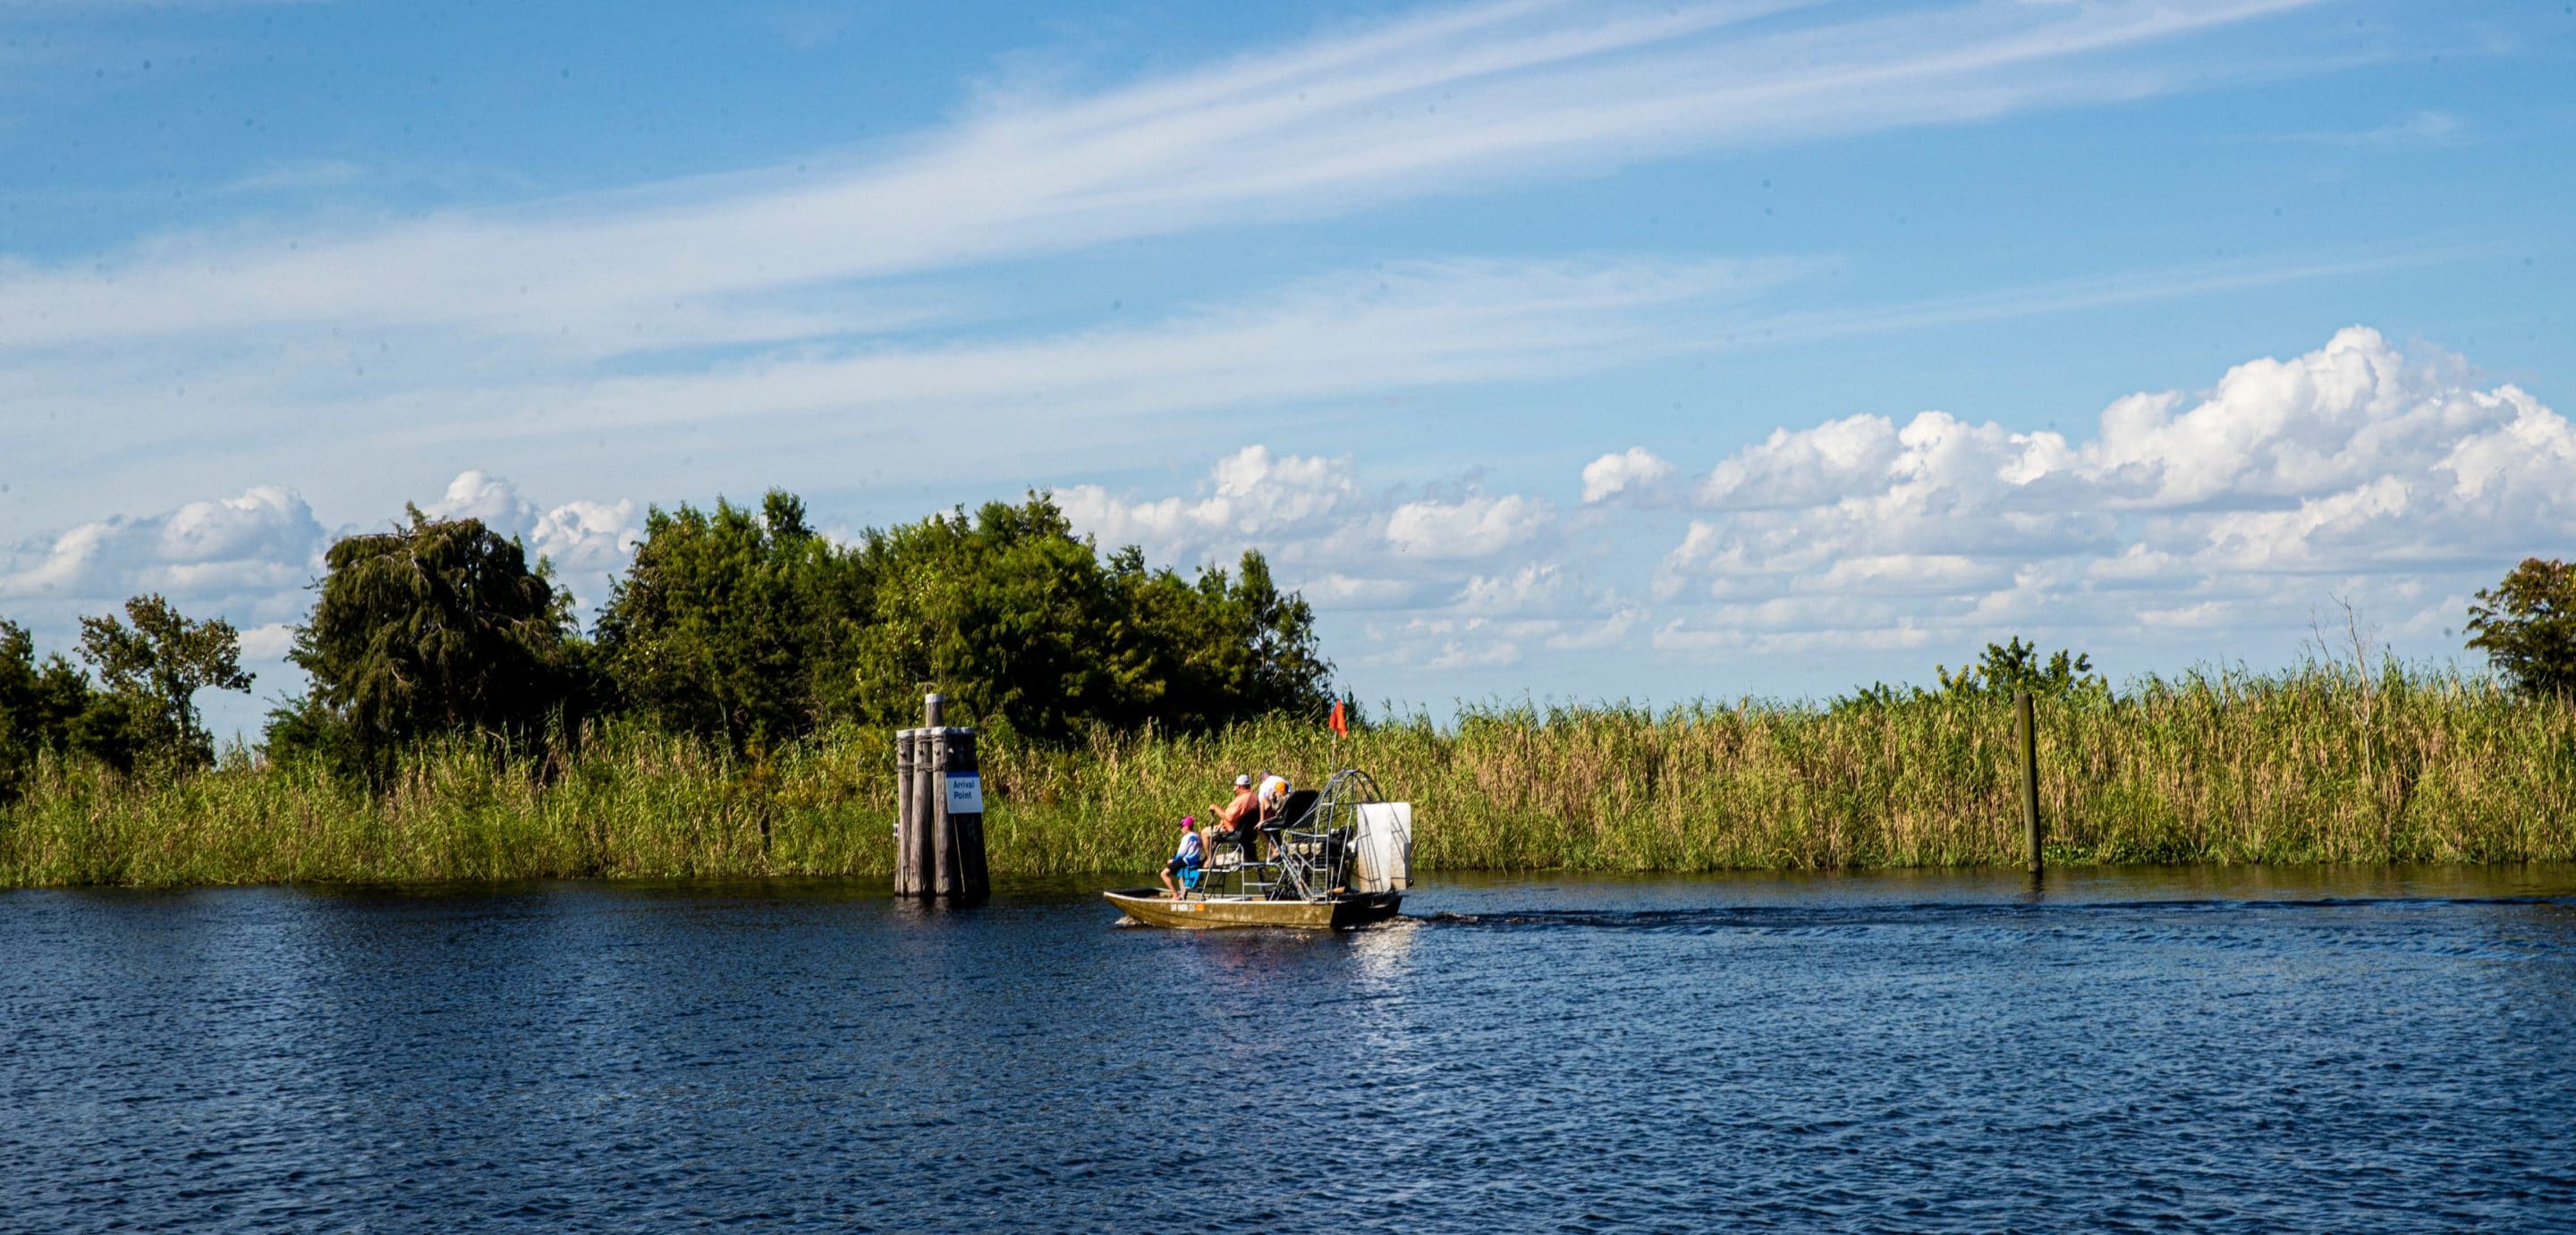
(2029,775)
(930,766)
(925,812)
(939,815)
(907,823)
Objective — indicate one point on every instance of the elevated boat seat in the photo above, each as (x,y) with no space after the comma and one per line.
(1293,812)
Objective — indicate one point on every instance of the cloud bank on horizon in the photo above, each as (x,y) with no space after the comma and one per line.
(2351,471)
(1487,323)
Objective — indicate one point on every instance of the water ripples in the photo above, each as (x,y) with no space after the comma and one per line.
(1898,1053)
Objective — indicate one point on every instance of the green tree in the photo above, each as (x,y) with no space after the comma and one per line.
(1008,612)
(1288,672)
(2526,624)
(2006,668)
(437,626)
(1217,651)
(737,625)
(1021,620)
(40,706)
(754,629)
(52,706)
(158,664)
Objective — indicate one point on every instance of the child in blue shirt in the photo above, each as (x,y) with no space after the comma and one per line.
(1189,856)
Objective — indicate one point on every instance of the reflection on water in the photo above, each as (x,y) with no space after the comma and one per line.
(2201,1048)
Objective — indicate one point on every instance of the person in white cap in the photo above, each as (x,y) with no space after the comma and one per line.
(1233,821)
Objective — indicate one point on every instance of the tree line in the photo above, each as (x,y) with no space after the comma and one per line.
(744,626)
(751,629)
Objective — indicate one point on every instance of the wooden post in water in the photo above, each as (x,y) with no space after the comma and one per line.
(926,792)
(907,823)
(923,787)
(2029,775)
(939,811)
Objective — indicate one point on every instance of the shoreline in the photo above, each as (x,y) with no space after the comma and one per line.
(2308,769)
(2550,881)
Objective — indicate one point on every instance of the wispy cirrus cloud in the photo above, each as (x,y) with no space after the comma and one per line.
(1357,334)
(1433,105)
(2424,127)
(300,175)
(808,305)
(1352,336)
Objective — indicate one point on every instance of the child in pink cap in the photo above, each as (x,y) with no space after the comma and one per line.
(1189,856)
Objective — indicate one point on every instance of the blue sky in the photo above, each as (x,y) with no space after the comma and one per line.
(1559,350)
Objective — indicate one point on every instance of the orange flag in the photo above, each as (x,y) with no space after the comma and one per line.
(1341,726)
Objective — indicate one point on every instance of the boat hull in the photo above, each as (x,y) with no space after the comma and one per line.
(1151,908)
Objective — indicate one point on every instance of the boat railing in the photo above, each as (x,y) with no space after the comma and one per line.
(1233,872)
(1312,853)
(1312,863)
(1226,859)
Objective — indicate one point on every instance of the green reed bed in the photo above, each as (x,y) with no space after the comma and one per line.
(2314,766)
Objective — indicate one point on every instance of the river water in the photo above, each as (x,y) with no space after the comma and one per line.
(2149,1049)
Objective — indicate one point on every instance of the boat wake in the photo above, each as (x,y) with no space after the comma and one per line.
(1937,913)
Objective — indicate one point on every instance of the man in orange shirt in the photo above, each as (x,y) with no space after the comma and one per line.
(1235,819)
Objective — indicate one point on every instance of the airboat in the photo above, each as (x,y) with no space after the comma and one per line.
(1337,857)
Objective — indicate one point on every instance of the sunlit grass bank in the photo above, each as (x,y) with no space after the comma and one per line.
(2314,766)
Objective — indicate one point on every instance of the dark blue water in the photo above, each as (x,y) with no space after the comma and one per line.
(2147,1050)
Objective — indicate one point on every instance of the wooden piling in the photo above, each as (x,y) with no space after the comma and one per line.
(924,788)
(907,823)
(939,820)
(2029,775)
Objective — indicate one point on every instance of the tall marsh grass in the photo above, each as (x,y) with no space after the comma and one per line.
(2311,766)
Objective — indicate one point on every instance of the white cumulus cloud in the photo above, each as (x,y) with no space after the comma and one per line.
(1475,526)
(592,536)
(1635,470)
(1423,579)
(582,539)
(492,499)
(264,541)
(252,558)
(1251,496)
(2354,466)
